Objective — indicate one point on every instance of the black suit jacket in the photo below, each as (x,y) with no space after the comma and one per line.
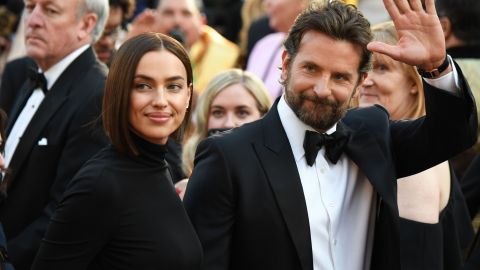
(68,119)
(245,198)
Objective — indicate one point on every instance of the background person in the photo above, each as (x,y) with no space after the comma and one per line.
(53,98)
(231,99)
(121,210)
(460,20)
(120,12)
(432,209)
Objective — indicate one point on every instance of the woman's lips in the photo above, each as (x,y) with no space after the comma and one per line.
(159,117)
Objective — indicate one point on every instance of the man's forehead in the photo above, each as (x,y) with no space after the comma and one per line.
(56,2)
(178,4)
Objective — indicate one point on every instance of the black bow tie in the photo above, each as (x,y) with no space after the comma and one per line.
(334,145)
(38,80)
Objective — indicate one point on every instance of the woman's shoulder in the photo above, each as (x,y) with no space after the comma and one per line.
(99,174)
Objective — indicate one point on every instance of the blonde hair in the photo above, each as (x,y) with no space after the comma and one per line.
(386,32)
(221,81)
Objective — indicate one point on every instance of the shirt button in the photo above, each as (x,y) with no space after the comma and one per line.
(334,242)
(331,204)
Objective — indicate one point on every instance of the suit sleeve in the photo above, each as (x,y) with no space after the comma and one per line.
(449,127)
(210,202)
(85,137)
(80,226)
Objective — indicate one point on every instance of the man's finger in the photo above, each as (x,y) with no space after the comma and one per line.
(430,7)
(383,48)
(391,9)
(416,5)
(403,6)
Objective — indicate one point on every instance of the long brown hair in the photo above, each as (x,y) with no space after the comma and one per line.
(116,100)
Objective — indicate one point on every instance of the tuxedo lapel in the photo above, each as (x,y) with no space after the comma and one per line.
(25,92)
(52,102)
(277,159)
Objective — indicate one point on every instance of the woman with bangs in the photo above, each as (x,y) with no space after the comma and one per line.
(434,223)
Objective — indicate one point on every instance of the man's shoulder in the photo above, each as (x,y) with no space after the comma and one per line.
(240,136)
(371,116)
(20,66)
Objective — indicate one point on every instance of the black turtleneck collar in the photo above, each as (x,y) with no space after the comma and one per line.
(465,51)
(149,152)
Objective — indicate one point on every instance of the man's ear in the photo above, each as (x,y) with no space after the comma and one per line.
(89,20)
(285,64)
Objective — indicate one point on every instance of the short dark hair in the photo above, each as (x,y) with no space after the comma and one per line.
(127,7)
(464,16)
(337,20)
(116,100)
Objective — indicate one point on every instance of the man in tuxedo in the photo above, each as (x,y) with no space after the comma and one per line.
(53,100)
(260,197)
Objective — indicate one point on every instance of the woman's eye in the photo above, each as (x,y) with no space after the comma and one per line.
(142,86)
(217,113)
(243,113)
(175,87)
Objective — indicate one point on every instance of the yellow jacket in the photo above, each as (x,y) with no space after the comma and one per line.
(211,54)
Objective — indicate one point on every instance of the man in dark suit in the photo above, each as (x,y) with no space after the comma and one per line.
(52,127)
(261,198)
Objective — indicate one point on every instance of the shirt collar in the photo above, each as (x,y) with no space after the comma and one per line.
(295,128)
(53,73)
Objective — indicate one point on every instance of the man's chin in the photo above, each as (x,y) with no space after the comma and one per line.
(34,52)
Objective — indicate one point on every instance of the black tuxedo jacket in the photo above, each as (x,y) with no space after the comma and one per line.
(245,197)
(68,122)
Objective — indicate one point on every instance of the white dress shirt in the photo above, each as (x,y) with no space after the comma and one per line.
(340,200)
(34,102)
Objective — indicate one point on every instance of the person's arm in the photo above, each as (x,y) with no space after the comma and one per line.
(210,204)
(81,225)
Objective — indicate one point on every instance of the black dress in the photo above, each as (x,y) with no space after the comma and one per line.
(438,246)
(121,212)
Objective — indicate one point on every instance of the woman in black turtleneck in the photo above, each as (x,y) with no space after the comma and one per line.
(121,210)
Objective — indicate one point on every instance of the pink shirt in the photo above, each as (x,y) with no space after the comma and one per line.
(265,62)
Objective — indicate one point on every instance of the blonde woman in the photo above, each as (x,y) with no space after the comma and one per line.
(231,99)
(429,210)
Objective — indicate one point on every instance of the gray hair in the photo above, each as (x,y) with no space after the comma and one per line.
(101,9)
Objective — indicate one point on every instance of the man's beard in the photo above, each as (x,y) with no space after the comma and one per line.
(321,114)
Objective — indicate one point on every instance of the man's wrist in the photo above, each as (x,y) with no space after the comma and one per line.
(437,71)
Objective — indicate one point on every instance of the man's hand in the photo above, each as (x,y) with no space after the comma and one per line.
(421,40)
(144,22)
